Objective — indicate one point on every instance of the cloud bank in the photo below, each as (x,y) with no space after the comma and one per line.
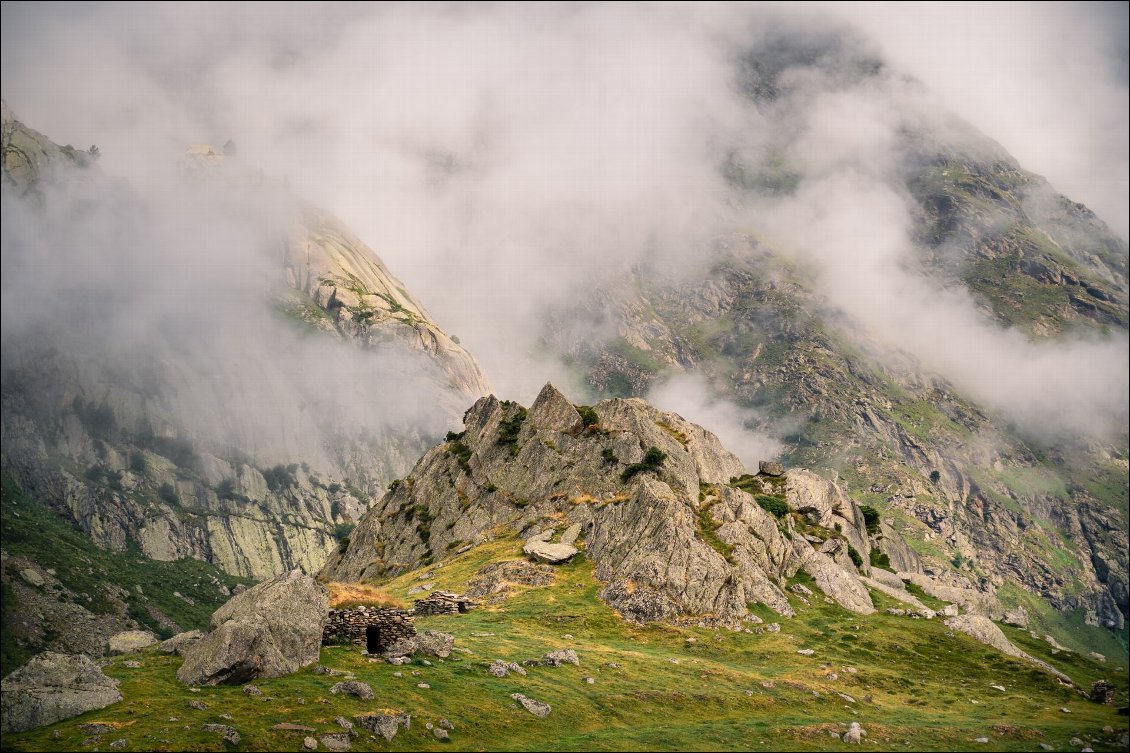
(500,159)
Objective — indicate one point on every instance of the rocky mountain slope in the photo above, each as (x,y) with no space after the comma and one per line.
(162,446)
(1037,516)
(674,525)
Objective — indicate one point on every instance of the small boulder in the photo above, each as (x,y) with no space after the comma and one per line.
(553,554)
(252,690)
(402,649)
(180,642)
(561,656)
(1102,692)
(309,743)
(770,468)
(354,687)
(129,641)
(537,708)
(855,734)
(52,687)
(32,578)
(440,733)
(385,725)
(336,741)
(229,734)
(435,643)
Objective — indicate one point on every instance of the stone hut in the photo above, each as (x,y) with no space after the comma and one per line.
(375,628)
(444,602)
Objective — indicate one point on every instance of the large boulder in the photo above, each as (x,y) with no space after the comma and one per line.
(128,641)
(553,554)
(52,687)
(180,642)
(270,630)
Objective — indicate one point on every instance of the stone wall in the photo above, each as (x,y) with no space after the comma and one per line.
(351,625)
(443,602)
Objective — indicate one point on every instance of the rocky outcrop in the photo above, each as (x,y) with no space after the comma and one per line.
(644,493)
(549,552)
(51,687)
(983,629)
(267,631)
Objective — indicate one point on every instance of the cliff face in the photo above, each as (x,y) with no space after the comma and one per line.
(251,450)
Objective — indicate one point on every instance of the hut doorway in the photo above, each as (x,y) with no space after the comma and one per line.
(373,639)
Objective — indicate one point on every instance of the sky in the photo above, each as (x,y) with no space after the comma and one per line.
(502,158)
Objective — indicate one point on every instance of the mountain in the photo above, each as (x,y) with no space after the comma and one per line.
(882,370)
(207,401)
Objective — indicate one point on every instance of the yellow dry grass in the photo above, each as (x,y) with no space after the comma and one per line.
(355,594)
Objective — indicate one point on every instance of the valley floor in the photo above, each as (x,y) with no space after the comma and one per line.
(911,684)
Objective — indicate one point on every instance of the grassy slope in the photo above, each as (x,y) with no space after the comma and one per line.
(915,686)
(33,531)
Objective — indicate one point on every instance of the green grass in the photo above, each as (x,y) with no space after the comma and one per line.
(724,691)
(39,534)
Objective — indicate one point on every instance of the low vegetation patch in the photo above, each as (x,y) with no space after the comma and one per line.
(652,462)
(776,506)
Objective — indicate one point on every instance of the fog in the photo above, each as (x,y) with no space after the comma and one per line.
(505,162)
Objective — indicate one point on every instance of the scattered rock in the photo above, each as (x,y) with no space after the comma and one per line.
(119,744)
(806,652)
(52,687)
(1001,688)
(981,740)
(441,734)
(309,743)
(321,669)
(269,630)
(336,741)
(423,685)
(537,708)
(385,725)
(1097,655)
(773,627)
(129,641)
(231,735)
(180,642)
(561,656)
(444,724)
(497,668)
(32,578)
(345,724)
(1076,742)
(434,643)
(252,690)
(1108,730)
(354,687)
(552,554)
(399,660)
(1045,746)
(950,610)
(571,533)
(291,727)
(855,734)
(1017,618)
(198,705)
(132,664)
(770,468)
(590,680)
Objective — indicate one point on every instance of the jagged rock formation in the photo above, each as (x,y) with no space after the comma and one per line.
(117,451)
(650,494)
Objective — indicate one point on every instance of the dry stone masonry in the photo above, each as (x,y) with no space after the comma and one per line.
(376,628)
(444,602)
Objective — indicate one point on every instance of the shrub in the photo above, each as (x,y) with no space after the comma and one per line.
(652,461)
(137,462)
(775,506)
(226,489)
(879,559)
(394,485)
(342,531)
(588,415)
(870,517)
(508,429)
(856,559)
(608,456)
(281,477)
(935,477)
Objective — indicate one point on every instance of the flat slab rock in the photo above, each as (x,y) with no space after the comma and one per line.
(553,554)
(537,708)
(52,687)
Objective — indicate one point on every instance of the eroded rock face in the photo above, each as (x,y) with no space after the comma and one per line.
(668,535)
(51,687)
(267,631)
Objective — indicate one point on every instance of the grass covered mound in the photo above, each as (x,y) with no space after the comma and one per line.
(914,685)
